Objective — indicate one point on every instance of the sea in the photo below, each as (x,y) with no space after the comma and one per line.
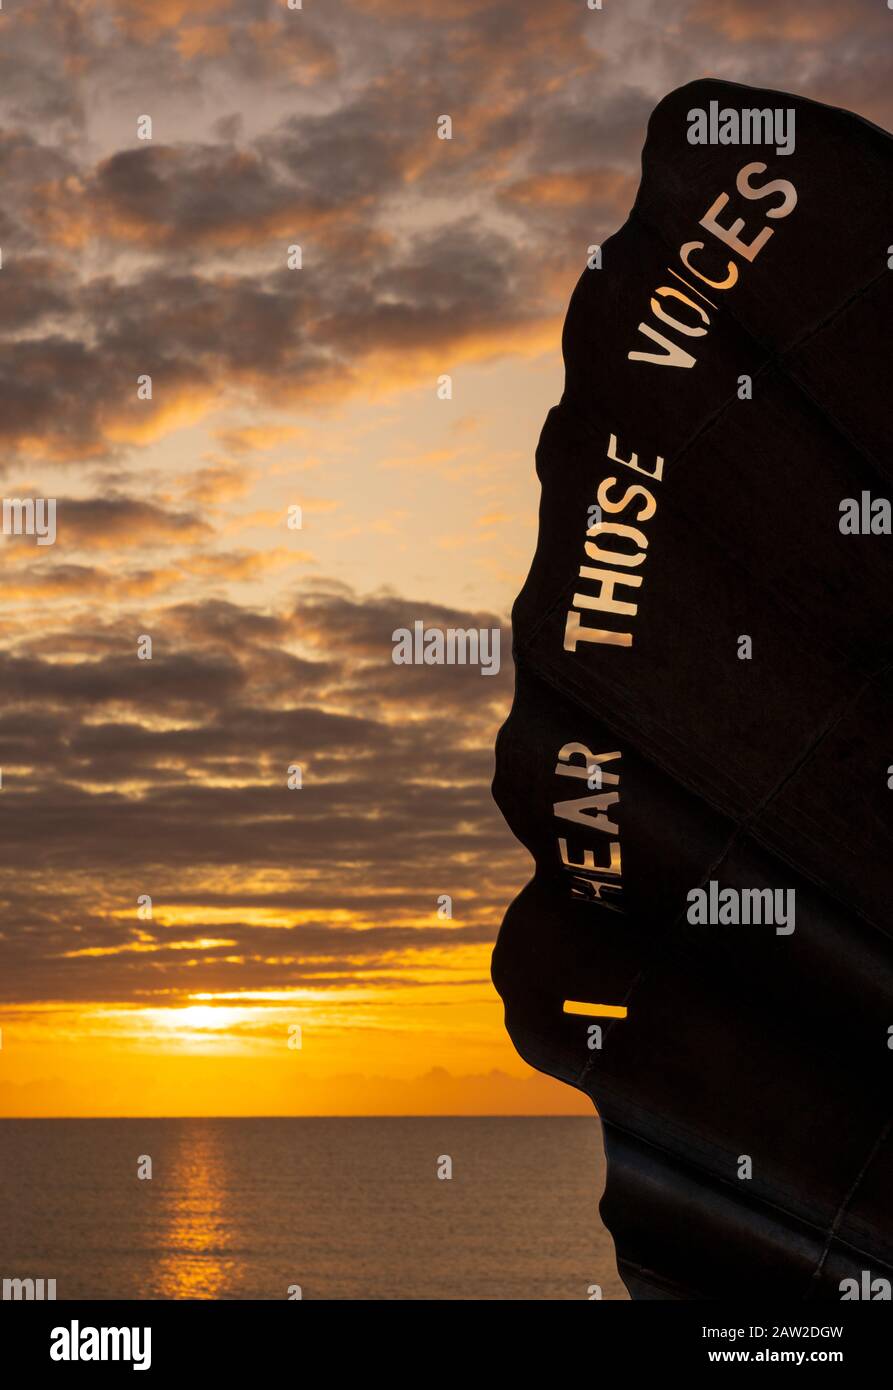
(353,1208)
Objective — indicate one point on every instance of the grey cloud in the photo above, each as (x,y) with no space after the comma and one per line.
(106,807)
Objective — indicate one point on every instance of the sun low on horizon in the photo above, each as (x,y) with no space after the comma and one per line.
(281,357)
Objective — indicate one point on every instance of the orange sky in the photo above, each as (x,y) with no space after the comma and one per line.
(272,387)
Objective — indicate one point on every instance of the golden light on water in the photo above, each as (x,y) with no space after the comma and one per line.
(194,1219)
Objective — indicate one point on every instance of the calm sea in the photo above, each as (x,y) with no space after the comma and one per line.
(345,1208)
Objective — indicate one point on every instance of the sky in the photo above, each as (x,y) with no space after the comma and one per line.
(276,909)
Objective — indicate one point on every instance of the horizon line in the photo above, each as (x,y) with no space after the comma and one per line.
(445,1115)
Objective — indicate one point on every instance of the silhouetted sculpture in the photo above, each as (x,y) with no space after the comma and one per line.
(703,702)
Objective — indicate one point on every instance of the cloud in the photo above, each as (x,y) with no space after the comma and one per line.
(168,257)
(115,523)
(124,258)
(170,777)
(760,20)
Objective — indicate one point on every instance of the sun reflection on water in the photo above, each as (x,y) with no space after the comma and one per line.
(198,1259)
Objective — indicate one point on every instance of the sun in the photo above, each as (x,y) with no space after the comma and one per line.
(198,1017)
(202,1016)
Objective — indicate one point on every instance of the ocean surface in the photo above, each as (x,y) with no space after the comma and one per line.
(345,1208)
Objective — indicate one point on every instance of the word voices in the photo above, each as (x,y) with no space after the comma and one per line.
(673,354)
